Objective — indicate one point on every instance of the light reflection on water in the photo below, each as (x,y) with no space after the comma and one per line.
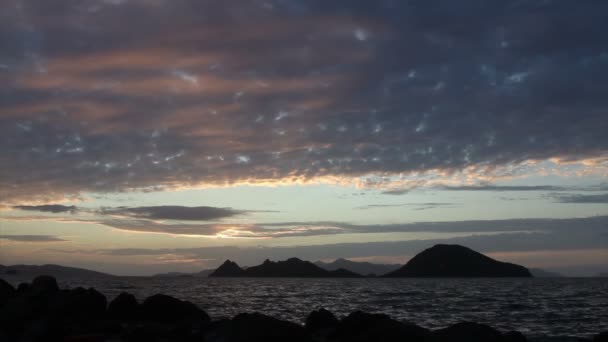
(553,307)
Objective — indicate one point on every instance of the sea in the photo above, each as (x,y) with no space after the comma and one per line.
(576,307)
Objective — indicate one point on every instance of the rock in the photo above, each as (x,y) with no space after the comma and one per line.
(29,302)
(360,326)
(78,304)
(468,331)
(601,337)
(123,307)
(514,336)
(321,320)
(44,284)
(163,308)
(42,330)
(23,288)
(147,333)
(6,291)
(253,327)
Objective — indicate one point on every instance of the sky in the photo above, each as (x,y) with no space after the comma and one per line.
(147,136)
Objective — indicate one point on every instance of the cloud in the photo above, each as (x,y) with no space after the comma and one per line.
(243,231)
(396,191)
(163,212)
(498,188)
(503,188)
(417,206)
(168,220)
(493,188)
(174,212)
(189,93)
(48,208)
(581,199)
(32,238)
(300,229)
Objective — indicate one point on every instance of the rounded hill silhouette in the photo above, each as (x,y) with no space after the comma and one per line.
(457,261)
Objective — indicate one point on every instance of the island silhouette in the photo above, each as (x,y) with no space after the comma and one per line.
(438,261)
(292,267)
(457,261)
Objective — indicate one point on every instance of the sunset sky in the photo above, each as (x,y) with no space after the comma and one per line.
(146,136)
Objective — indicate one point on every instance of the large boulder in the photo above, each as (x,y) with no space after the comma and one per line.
(123,307)
(362,327)
(253,327)
(29,302)
(468,331)
(78,304)
(166,309)
(6,291)
(43,285)
(514,336)
(321,320)
(22,288)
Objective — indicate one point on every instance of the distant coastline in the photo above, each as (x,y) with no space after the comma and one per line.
(438,261)
(294,267)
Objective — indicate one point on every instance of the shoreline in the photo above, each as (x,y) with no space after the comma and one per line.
(41,311)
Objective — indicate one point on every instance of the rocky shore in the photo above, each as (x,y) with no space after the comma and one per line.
(40,311)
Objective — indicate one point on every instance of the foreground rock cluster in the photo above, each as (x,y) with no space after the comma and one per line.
(40,311)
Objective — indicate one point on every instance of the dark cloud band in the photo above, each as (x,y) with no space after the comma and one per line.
(32,238)
(581,199)
(169,212)
(48,208)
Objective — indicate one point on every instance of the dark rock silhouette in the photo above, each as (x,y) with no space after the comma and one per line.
(514,336)
(44,284)
(292,267)
(163,308)
(470,332)
(124,307)
(457,261)
(78,303)
(361,326)
(228,269)
(6,291)
(23,287)
(253,327)
(321,323)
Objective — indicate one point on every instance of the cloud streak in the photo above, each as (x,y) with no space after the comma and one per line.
(32,238)
(417,206)
(301,229)
(48,208)
(161,212)
(500,188)
(174,212)
(580,199)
